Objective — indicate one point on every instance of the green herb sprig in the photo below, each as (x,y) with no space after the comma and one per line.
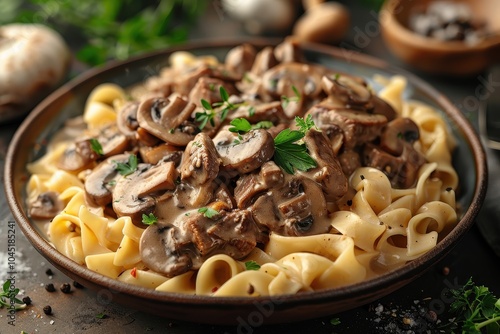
(127,168)
(290,155)
(96,146)
(208,212)
(285,100)
(7,294)
(149,219)
(476,308)
(252,265)
(209,113)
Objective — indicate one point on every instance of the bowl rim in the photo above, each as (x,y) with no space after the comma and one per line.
(411,269)
(391,24)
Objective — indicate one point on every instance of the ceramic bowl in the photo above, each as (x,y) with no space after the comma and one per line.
(68,101)
(432,55)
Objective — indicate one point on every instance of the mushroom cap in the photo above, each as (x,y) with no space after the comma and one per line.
(33,60)
(163,118)
(255,148)
(46,206)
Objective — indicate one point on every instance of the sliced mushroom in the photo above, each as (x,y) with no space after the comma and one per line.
(162,152)
(246,155)
(280,80)
(164,118)
(187,78)
(264,60)
(328,172)
(379,106)
(112,141)
(200,162)
(359,127)
(240,59)
(208,89)
(78,156)
(397,134)
(126,119)
(99,184)
(184,245)
(289,51)
(351,91)
(139,192)
(271,111)
(294,209)
(188,196)
(46,206)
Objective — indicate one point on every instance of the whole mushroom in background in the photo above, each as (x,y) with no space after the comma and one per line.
(33,60)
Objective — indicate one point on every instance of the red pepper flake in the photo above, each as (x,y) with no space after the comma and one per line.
(133,272)
(214,289)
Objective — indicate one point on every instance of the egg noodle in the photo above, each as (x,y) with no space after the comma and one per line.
(382,228)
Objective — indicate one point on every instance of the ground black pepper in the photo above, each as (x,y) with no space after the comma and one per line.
(77,285)
(50,287)
(49,272)
(27,300)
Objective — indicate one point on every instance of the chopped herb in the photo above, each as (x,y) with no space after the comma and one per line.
(211,86)
(335,321)
(96,146)
(289,155)
(287,99)
(252,265)
(8,295)
(337,76)
(209,113)
(208,212)
(127,168)
(172,130)
(101,316)
(476,309)
(111,183)
(251,111)
(305,124)
(240,125)
(149,219)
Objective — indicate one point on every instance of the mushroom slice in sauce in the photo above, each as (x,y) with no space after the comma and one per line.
(173,249)
(200,161)
(78,156)
(398,134)
(240,59)
(140,191)
(164,118)
(162,152)
(246,155)
(264,60)
(351,91)
(126,119)
(46,206)
(328,172)
(359,127)
(297,208)
(100,183)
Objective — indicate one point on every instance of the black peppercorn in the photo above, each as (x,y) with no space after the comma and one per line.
(47,309)
(27,300)
(50,287)
(65,288)
(49,272)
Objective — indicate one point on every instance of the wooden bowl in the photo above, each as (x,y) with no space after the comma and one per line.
(69,100)
(454,58)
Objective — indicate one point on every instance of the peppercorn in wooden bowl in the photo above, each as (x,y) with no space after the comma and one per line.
(456,38)
(468,159)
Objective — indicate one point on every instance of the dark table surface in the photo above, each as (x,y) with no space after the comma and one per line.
(404,311)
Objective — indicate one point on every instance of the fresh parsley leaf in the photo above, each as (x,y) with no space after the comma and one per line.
(476,308)
(8,295)
(251,111)
(240,125)
(335,321)
(96,146)
(127,168)
(224,94)
(149,219)
(208,212)
(252,265)
(304,124)
(263,125)
(288,154)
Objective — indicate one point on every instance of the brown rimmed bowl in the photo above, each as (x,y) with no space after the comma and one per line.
(68,101)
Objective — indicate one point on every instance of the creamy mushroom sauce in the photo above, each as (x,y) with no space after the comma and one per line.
(214,191)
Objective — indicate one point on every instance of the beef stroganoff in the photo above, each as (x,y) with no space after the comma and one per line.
(259,175)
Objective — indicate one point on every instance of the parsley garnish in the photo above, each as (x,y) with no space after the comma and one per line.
(101,316)
(127,168)
(7,295)
(208,115)
(208,212)
(287,99)
(335,321)
(96,146)
(149,219)
(252,265)
(242,126)
(288,154)
(305,124)
(476,309)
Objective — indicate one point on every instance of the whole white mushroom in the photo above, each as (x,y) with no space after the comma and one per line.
(33,60)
